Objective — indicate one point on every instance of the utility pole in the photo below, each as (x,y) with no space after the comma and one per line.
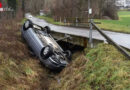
(90,24)
(88,9)
(91,34)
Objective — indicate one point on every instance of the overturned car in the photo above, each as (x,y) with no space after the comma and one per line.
(44,46)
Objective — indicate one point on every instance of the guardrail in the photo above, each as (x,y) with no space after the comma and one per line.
(109,40)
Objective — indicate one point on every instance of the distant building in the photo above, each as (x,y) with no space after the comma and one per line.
(123,3)
(42,13)
(128,3)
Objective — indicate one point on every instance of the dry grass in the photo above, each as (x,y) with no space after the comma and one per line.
(71,77)
(106,69)
(18,70)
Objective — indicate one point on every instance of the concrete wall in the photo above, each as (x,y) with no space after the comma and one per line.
(76,40)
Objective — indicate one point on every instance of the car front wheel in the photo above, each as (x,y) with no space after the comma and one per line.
(68,55)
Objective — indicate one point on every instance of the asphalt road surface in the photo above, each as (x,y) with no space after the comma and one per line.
(120,38)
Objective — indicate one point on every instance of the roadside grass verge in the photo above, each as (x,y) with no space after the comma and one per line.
(50,20)
(23,20)
(121,25)
(105,69)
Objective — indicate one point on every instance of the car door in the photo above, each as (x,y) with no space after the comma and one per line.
(33,41)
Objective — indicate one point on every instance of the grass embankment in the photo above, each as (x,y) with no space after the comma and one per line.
(121,25)
(50,20)
(18,70)
(106,69)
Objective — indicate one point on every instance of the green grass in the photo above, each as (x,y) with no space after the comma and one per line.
(50,20)
(105,69)
(23,20)
(109,69)
(121,25)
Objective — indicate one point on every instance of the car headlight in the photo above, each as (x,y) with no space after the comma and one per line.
(46,51)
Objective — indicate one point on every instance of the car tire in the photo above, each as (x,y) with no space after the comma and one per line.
(46,52)
(68,54)
(28,24)
(48,29)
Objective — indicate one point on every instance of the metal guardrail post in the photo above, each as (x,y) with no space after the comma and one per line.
(90,34)
(123,51)
(64,21)
(60,20)
(76,21)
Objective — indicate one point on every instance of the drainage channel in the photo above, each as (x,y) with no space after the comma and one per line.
(75,50)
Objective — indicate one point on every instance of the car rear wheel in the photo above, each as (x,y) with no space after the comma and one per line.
(48,29)
(68,54)
(46,52)
(28,24)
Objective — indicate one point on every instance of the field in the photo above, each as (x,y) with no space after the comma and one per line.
(121,25)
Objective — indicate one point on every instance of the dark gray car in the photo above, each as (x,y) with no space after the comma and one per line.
(44,46)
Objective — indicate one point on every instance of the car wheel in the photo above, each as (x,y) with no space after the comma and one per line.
(46,52)
(48,29)
(68,54)
(28,24)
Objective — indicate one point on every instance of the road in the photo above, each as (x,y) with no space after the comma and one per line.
(120,38)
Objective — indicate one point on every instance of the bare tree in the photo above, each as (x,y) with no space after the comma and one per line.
(34,6)
(77,8)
